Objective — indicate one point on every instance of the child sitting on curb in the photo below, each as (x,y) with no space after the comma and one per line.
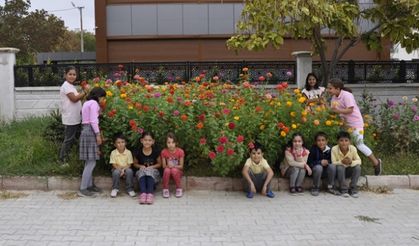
(121,161)
(257,173)
(348,164)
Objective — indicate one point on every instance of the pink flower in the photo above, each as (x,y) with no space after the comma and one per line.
(416,118)
(96,80)
(215,78)
(176,112)
(231,125)
(261,78)
(220,148)
(157,94)
(212,155)
(251,145)
(396,116)
(226,111)
(269,75)
(289,73)
(240,138)
(202,141)
(230,152)
(223,140)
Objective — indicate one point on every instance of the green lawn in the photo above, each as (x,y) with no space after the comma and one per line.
(24,151)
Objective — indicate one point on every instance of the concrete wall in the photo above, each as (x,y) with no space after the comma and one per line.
(37,101)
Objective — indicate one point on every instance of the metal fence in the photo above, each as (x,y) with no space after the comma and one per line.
(158,73)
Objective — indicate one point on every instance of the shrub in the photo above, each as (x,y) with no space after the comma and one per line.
(213,120)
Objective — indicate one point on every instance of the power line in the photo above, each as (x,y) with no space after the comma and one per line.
(59,10)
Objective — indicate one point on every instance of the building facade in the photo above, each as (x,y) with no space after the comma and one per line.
(188,30)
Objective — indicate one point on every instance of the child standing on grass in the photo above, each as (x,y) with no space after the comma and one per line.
(312,90)
(294,165)
(320,162)
(70,111)
(172,161)
(348,164)
(147,160)
(257,173)
(90,140)
(343,103)
(121,161)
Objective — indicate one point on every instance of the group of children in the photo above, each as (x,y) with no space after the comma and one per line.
(320,161)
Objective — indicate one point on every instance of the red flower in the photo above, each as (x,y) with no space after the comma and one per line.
(223,140)
(146,108)
(258,108)
(132,123)
(261,78)
(240,138)
(280,125)
(251,145)
(202,141)
(161,113)
(200,125)
(188,103)
(184,117)
(230,152)
(201,117)
(285,85)
(220,148)
(231,125)
(279,87)
(226,111)
(212,155)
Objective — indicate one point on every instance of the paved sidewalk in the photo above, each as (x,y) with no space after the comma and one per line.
(212,218)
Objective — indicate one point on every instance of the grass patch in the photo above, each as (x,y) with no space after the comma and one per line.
(68,195)
(367,219)
(4,195)
(378,190)
(24,151)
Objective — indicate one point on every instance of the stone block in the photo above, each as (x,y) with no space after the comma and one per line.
(209,183)
(390,181)
(238,184)
(63,183)
(414,181)
(172,185)
(25,183)
(104,183)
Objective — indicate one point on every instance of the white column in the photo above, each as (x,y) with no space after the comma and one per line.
(7,83)
(304,66)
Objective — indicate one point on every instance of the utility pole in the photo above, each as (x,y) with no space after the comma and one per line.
(81,26)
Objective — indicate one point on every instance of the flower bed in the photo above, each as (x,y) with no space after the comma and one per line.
(214,122)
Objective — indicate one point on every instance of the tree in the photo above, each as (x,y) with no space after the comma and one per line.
(70,41)
(31,32)
(268,22)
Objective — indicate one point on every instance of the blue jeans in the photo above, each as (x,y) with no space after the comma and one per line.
(146,184)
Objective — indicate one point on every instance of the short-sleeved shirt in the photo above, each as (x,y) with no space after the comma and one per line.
(257,168)
(123,159)
(70,111)
(347,100)
(173,158)
(338,156)
(314,93)
(147,160)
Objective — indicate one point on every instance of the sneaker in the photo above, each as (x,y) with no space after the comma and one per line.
(142,198)
(114,193)
(86,193)
(131,193)
(315,191)
(378,169)
(293,191)
(332,191)
(354,194)
(270,194)
(149,199)
(94,188)
(249,194)
(345,194)
(179,192)
(166,193)
(299,189)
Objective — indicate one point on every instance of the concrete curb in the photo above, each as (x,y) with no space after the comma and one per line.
(193,183)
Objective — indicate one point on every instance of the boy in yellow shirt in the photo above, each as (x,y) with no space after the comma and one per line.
(257,173)
(348,164)
(121,161)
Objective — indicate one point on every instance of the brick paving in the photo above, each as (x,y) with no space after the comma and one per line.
(212,218)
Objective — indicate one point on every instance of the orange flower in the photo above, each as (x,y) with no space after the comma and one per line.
(188,103)
(184,117)
(200,125)
(316,122)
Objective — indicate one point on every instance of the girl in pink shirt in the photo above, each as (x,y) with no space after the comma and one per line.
(90,140)
(343,103)
(172,160)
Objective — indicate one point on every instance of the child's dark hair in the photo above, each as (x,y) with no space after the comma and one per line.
(69,68)
(297,134)
(256,146)
(96,93)
(337,83)
(316,86)
(343,134)
(320,134)
(172,136)
(145,134)
(119,136)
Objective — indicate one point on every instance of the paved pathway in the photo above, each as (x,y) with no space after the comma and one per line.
(212,218)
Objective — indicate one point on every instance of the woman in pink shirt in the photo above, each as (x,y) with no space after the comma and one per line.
(90,139)
(343,103)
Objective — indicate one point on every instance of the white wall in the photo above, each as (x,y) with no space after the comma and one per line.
(37,101)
